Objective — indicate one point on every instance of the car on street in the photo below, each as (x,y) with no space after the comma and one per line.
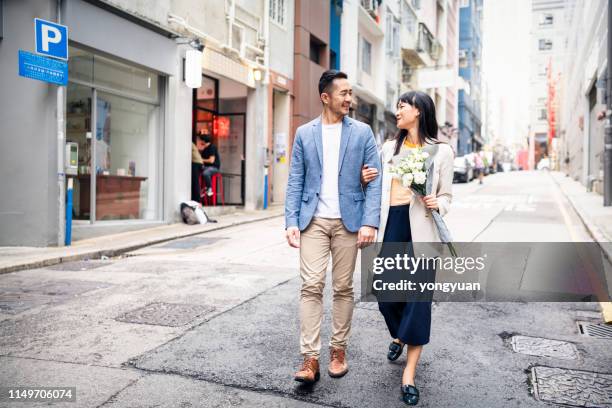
(463,170)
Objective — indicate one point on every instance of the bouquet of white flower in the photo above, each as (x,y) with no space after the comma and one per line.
(412,172)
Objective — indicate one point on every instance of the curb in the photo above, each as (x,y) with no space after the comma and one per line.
(599,237)
(113,252)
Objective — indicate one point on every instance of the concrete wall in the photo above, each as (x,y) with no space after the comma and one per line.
(311,18)
(28,133)
(281,44)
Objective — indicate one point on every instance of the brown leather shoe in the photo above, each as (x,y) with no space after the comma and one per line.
(337,364)
(309,373)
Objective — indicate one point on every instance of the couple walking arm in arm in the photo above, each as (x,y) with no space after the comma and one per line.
(339,194)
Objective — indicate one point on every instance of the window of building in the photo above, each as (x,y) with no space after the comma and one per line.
(409,19)
(463,59)
(543,114)
(113,114)
(542,70)
(278,11)
(392,35)
(416,4)
(546,19)
(366,56)
(464,3)
(545,45)
(317,48)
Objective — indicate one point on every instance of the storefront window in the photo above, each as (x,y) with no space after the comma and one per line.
(126,150)
(127,140)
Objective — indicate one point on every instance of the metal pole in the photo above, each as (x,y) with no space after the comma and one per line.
(608,135)
(94,162)
(61,143)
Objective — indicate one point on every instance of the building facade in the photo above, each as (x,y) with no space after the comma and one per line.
(470,62)
(582,125)
(548,37)
(128,109)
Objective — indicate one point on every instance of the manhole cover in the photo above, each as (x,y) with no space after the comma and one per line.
(191,243)
(79,265)
(572,387)
(18,299)
(14,303)
(165,314)
(537,346)
(600,330)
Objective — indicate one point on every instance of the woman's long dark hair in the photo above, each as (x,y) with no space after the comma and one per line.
(428,124)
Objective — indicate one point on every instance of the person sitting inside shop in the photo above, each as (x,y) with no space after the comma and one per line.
(196,170)
(210,160)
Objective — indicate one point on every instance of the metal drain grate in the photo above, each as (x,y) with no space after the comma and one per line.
(599,330)
(575,388)
(537,346)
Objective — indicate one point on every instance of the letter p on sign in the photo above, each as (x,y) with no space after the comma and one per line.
(51,39)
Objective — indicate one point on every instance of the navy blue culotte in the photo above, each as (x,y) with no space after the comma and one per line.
(410,322)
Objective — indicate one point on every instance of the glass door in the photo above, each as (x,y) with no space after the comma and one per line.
(78,130)
(229,135)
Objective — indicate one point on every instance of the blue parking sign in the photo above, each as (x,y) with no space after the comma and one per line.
(51,39)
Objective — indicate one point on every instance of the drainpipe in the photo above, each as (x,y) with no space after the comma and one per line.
(61,142)
(608,130)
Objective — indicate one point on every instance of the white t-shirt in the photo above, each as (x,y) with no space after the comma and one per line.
(329,201)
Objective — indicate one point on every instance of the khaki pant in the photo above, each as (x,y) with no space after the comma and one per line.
(322,237)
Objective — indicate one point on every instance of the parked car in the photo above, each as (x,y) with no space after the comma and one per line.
(544,164)
(464,170)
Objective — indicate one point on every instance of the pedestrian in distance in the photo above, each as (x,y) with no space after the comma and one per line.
(406,218)
(329,212)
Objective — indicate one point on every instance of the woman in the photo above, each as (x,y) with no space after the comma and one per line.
(405,218)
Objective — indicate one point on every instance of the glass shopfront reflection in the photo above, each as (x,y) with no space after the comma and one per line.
(126,151)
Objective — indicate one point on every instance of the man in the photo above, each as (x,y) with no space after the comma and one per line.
(210,160)
(328,210)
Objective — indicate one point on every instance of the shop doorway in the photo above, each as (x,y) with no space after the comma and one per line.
(219,110)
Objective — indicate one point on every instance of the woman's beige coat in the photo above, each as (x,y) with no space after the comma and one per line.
(421,222)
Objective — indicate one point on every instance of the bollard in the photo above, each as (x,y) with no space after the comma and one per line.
(68,235)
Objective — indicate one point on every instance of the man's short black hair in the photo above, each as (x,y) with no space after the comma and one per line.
(327,79)
(205,138)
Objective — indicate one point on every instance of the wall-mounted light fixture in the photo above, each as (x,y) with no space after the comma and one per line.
(257,75)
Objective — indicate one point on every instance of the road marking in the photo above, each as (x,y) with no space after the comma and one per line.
(564,214)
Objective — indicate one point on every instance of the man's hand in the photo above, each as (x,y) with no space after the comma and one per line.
(368,174)
(293,237)
(365,236)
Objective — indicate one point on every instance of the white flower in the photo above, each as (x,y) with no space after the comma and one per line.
(407,180)
(425,155)
(419,177)
(416,167)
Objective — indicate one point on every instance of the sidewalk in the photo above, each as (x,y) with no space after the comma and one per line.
(596,218)
(19,258)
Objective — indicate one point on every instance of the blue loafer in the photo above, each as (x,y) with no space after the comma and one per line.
(410,394)
(395,350)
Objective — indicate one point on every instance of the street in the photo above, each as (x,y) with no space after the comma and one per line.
(212,320)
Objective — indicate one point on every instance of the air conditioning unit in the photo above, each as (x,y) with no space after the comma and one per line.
(462,54)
